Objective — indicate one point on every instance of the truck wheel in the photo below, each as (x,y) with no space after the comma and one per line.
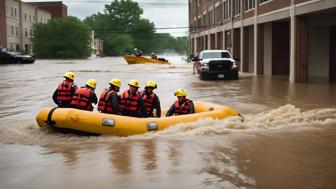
(203,77)
(235,75)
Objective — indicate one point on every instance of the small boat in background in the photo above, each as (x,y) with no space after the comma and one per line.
(131,59)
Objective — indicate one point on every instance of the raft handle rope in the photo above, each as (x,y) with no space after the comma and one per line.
(49,121)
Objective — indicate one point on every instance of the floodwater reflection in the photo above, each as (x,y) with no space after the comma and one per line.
(121,157)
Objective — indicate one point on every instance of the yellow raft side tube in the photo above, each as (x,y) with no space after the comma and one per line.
(109,124)
(130,59)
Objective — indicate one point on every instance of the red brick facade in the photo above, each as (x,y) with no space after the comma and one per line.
(273,5)
(3,33)
(57,9)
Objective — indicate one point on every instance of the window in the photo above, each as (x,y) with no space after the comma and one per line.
(17,31)
(207,55)
(218,14)
(25,16)
(15,12)
(12,12)
(263,1)
(227,9)
(236,10)
(249,4)
(30,18)
(31,33)
(26,32)
(12,27)
(17,47)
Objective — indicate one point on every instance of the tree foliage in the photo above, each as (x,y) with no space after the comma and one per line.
(122,28)
(62,38)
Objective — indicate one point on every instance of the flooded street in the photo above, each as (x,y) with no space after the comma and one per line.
(288,139)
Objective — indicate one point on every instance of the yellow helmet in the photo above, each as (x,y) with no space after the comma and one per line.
(135,49)
(151,84)
(134,83)
(70,75)
(92,83)
(116,82)
(180,92)
(152,53)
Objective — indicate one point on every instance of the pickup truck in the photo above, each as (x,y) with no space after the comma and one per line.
(215,64)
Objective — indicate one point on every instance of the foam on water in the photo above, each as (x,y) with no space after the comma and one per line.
(284,116)
(287,116)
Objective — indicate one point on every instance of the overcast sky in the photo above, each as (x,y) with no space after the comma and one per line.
(174,15)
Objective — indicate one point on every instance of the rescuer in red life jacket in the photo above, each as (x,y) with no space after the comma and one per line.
(109,100)
(151,100)
(182,106)
(131,103)
(85,96)
(65,90)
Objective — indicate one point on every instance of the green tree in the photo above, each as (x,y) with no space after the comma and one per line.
(122,28)
(62,38)
(119,43)
(143,34)
(122,18)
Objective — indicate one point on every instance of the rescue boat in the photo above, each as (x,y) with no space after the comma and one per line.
(131,59)
(80,121)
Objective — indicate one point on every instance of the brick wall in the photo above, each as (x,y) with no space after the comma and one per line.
(3,33)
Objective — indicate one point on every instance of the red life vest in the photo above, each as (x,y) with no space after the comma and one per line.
(64,91)
(149,101)
(184,108)
(105,105)
(82,99)
(129,103)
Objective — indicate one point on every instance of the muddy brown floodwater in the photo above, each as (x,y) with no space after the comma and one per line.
(288,139)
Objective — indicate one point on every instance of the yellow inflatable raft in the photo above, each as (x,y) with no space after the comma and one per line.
(108,124)
(130,59)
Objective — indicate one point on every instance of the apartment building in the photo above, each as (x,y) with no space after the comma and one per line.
(270,37)
(16,23)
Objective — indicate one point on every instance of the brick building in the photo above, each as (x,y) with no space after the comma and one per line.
(269,37)
(17,19)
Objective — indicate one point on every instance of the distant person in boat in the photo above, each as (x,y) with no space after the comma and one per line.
(182,106)
(137,52)
(109,99)
(65,90)
(151,100)
(131,103)
(85,96)
(154,56)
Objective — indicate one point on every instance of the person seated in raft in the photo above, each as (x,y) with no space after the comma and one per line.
(182,105)
(131,102)
(109,99)
(137,52)
(151,100)
(154,56)
(65,90)
(85,96)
